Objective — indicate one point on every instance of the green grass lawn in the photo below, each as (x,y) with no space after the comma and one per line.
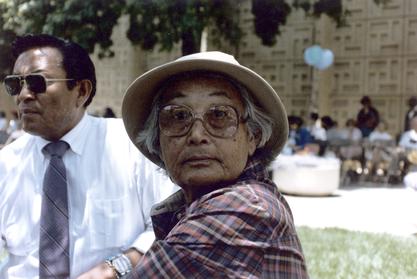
(335,253)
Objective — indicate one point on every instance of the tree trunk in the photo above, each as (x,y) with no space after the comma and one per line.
(190,44)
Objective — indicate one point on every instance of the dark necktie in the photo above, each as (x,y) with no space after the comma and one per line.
(54,231)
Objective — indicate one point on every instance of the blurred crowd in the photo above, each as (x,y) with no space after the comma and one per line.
(364,145)
(9,129)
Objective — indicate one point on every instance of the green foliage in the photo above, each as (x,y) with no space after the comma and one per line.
(86,22)
(152,22)
(332,8)
(6,36)
(155,22)
(170,22)
(269,16)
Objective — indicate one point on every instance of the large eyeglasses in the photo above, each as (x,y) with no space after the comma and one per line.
(36,83)
(220,121)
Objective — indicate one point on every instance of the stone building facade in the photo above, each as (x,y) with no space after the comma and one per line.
(375,55)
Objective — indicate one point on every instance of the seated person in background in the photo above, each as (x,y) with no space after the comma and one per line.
(352,136)
(351,132)
(299,136)
(380,151)
(333,133)
(316,128)
(408,139)
(368,117)
(380,133)
(411,112)
(403,158)
(214,126)
(318,133)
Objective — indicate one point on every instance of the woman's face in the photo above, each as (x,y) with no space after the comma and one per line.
(198,161)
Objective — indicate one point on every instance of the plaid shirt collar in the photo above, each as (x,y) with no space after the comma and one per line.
(255,170)
(168,212)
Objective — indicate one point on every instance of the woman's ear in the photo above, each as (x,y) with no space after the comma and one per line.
(253,141)
(84,91)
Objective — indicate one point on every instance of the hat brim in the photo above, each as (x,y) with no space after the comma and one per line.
(138,99)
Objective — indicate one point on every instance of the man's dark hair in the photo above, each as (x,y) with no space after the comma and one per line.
(76,61)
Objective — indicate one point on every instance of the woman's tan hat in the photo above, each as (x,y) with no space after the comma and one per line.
(139,95)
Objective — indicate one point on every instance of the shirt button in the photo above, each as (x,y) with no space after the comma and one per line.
(179,216)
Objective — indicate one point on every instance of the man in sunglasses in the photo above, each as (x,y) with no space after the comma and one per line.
(214,126)
(94,221)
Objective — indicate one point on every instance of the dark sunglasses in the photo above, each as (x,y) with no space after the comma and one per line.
(220,121)
(36,83)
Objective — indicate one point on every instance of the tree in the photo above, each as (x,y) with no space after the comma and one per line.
(153,22)
(6,36)
(169,22)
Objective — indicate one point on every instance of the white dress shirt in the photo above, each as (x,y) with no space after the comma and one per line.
(111,188)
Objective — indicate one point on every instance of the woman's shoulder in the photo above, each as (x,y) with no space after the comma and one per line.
(252,197)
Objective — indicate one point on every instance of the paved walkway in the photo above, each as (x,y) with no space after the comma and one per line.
(369,208)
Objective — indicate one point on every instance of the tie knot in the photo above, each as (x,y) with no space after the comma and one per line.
(56,148)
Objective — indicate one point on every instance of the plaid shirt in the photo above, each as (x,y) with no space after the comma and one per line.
(245,230)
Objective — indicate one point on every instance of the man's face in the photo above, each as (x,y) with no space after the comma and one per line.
(53,113)
(199,161)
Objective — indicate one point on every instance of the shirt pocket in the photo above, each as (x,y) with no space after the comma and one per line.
(107,225)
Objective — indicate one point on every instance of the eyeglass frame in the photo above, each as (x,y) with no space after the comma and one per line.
(22,79)
(200,116)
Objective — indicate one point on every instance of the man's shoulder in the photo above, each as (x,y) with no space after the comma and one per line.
(107,137)
(102,123)
(19,145)
(112,129)
(12,155)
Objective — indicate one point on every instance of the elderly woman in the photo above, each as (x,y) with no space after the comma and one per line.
(214,125)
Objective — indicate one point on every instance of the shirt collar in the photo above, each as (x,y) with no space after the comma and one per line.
(76,137)
(167,213)
(254,170)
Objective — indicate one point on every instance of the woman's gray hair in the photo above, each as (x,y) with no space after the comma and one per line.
(259,123)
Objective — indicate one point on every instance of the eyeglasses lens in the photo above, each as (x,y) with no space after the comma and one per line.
(219,121)
(35,83)
(12,85)
(222,121)
(174,120)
